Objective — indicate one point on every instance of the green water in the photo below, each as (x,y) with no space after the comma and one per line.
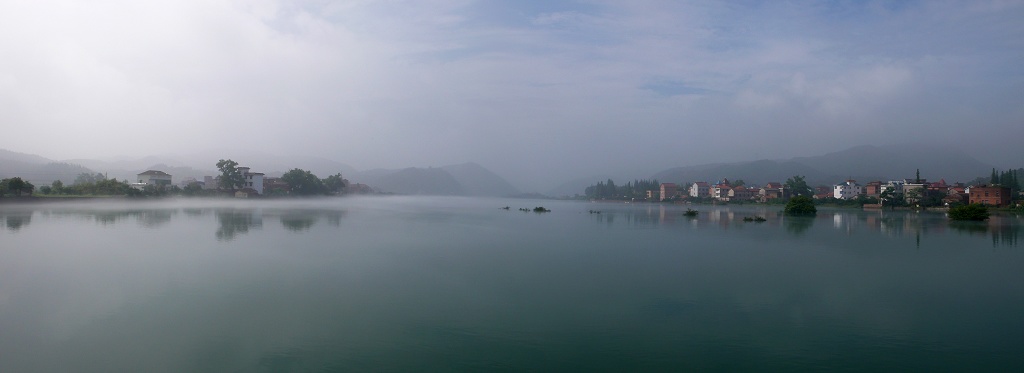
(453,284)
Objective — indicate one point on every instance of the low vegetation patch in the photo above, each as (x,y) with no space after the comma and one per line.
(540,209)
(801,205)
(690,212)
(972,212)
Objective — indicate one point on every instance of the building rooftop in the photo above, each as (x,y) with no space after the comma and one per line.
(154,172)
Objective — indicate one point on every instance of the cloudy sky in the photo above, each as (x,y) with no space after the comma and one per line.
(529,89)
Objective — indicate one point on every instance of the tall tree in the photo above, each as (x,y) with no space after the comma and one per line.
(15,184)
(334,184)
(798,187)
(303,183)
(230,177)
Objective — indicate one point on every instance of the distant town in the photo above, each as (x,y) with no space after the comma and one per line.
(1001,190)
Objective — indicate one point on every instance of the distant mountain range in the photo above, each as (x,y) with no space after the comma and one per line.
(467,179)
(861,163)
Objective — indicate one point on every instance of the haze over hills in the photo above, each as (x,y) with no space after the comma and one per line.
(467,179)
(862,163)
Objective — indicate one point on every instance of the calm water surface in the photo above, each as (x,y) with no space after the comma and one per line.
(453,284)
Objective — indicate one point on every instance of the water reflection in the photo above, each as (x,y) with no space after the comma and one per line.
(15,220)
(297,222)
(1004,230)
(798,225)
(234,222)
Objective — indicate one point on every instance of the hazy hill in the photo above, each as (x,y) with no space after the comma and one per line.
(578,186)
(862,163)
(9,156)
(467,179)
(38,170)
(756,172)
(898,162)
(424,181)
(479,181)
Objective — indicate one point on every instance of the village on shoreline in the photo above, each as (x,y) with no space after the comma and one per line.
(1002,190)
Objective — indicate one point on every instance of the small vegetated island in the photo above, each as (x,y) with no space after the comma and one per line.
(971,212)
(801,206)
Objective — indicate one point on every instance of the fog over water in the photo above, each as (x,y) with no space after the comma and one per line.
(430,283)
(534,90)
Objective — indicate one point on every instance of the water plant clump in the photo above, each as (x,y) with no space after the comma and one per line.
(801,205)
(971,212)
(690,212)
(540,209)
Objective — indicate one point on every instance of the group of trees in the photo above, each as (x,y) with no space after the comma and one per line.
(305,183)
(88,184)
(300,182)
(797,186)
(637,189)
(1007,179)
(15,186)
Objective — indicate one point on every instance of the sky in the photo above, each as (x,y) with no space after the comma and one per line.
(538,91)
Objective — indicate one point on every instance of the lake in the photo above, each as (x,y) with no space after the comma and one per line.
(459,284)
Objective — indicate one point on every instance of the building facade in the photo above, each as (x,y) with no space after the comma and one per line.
(846,190)
(990,195)
(668,190)
(700,189)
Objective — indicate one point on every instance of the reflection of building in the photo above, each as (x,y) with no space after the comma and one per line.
(990,195)
(154,177)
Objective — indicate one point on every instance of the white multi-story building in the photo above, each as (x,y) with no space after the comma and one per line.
(847,190)
(253,180)
(700,189)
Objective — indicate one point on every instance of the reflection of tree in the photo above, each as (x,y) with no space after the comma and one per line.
(192,212)
(15,222)
(298,221)
(108,217)
(235,222)
(302,219)
(797,225)
(1005,235)
(334,217)
(153,218)
(969,227)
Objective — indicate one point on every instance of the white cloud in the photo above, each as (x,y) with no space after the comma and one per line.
(392,84)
